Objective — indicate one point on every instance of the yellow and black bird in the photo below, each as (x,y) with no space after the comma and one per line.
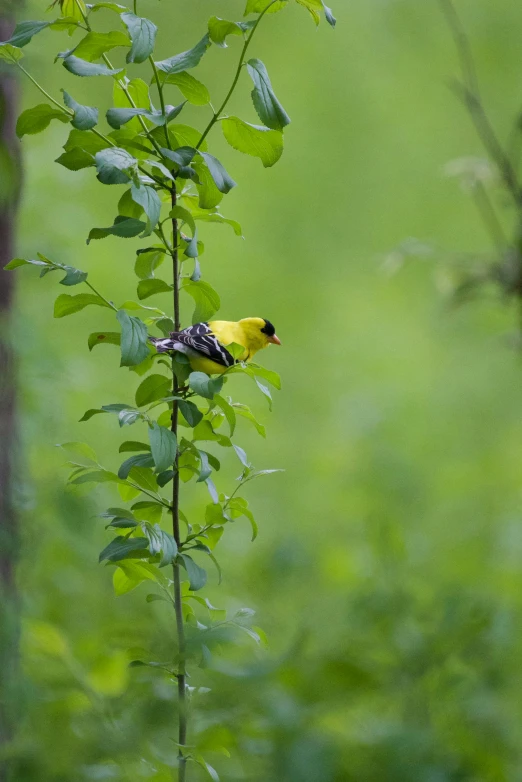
(205,344)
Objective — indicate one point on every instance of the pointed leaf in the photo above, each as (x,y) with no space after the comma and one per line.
(37,119)
(221,177)
(268,108)
(85,117)
(197,576)
(24,31)
(143,36)
(80,67)
(134,339)
(255,140)
(163,445)
(185,60)
(67,305)
(152,388)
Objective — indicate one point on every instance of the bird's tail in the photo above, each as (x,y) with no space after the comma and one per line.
(164,344)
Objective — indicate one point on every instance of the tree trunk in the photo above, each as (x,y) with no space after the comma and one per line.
(9,189)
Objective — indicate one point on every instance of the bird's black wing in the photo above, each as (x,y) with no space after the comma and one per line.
(198,337)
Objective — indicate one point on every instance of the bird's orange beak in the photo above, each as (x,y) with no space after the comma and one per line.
(275,340)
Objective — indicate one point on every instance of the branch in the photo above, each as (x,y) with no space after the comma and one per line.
(223,106)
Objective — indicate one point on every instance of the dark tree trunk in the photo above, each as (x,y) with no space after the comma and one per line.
(9,189)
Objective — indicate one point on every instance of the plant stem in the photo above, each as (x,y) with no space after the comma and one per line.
(161,97)
(218,113)
(178,606)
(65,110)
(107,302)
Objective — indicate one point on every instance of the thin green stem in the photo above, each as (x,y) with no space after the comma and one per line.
(153,496)
(65,110)
(107,302)
(217,114)
(161,97)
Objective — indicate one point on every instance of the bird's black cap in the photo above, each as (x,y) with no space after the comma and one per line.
(269,328)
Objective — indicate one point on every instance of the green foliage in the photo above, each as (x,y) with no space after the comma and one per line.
(172,186)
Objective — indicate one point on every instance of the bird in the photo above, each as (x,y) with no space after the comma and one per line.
(205,344)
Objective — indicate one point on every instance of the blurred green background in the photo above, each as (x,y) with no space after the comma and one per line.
(387,573)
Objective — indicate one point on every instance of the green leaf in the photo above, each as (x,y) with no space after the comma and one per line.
(330,18)
(37,119)
(24,31)
(127,207)
(268,374)
(17,262)
(228,411)
(75,159)
(85,117)
(209,195)
(130,446)
(211,771)
(122,523)
(268,108)
(122,547)
(253,140)
(149,510)
(245,412)
(165,477)
(190,412)
(205,470)
(160,542)
(218,29)
(147,261)
(138,460)
(197,576)
(148,288)
(95,476)
(241,455)
(103,338)
(77,451)
(129,574)
(204,385)
(67,305)
(119,117)
(143,36)
(152,388)
(115,166)
(258,6)
(124,227)
(212,217)
(185,60)
(134,339)
(111,6)
(144,478)
(80,67)
(222,179)
(205,297)
(95,45)
(180,135)
(163,445)
(86,141)
(73,8)
(139,92)
(150,201)
(191,89)
(314,7)
(64,24)
(265,391)
(10,54)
